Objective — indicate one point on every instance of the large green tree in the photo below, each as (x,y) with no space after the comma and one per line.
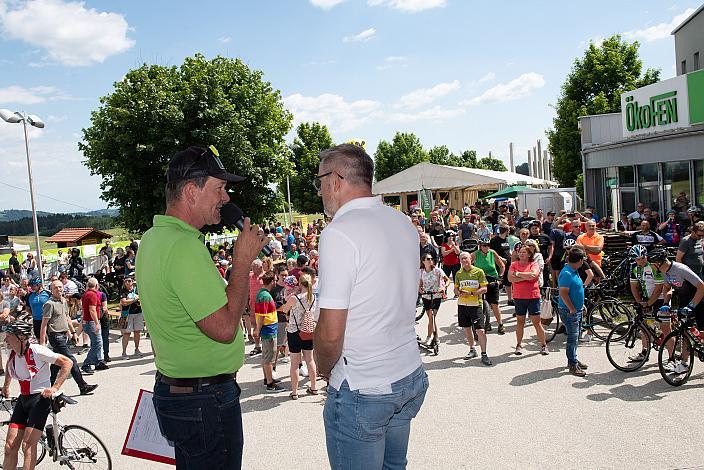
(311,139)
(593,86)
(441,155)
(404,151)
(491,163)
(155,111)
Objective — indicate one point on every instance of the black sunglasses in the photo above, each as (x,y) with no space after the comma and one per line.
(316,180)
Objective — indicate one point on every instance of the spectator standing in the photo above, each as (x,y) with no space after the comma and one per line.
(524,275)
(365,340)
(132,318)
(450,256)
(14,267)
(592,242)
(645,237)
(266,330)
(36,300)
(427,248)
(690,252)
(570,306)
(670,229)
(91,325)
(109,253)
(466,228)
(57,328)
(255,284)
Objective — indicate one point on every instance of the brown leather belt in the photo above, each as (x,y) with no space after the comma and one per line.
(196,381)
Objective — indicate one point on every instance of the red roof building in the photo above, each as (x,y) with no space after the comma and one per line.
(77,236)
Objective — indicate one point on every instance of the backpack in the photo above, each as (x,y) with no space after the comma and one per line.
(307,326)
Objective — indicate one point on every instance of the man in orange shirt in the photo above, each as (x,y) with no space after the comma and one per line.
(593,242)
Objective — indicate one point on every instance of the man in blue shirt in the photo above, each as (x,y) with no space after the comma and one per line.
(36,299)
(570,305)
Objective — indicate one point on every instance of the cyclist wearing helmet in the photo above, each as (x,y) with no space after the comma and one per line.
(694,214)
(493,266)
(647,285)
(30,365)
(36,300)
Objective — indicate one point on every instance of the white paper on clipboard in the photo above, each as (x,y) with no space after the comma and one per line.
(144,439)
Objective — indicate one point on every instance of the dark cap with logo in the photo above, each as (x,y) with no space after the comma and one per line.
(196,162)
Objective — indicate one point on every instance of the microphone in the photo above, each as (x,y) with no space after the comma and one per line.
(233,215)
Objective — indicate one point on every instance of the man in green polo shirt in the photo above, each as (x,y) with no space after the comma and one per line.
(193,316)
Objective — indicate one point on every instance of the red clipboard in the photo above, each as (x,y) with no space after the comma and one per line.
(144,439)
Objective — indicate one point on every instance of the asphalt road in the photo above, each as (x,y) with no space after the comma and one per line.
(523,412)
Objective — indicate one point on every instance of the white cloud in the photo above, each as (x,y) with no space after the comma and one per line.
(364,36)
(325,4)
(596,40)
(69,32)
(391,61)
(225,39)
(16,94)
(408,6)
(337,113)
(436,113)
(423,96)
(659,31)
(517,88)
(487,78)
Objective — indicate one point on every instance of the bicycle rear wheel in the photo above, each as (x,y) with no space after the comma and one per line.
(677,368)
(83,449)
(605,316)
(624,350)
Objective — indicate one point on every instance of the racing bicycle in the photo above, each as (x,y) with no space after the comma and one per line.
(685,342)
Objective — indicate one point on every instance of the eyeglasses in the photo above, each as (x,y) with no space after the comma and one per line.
(317,182)
(216,156)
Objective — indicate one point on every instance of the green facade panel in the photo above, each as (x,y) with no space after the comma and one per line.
(695,90)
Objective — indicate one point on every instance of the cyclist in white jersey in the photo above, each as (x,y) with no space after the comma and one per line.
(30,364)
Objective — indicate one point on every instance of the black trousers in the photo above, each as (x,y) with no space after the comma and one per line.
(59,344)
(105,333)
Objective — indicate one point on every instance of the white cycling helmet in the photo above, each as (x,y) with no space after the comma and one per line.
(637,251)
(568,243)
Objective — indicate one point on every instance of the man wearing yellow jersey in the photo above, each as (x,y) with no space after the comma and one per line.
(470,285)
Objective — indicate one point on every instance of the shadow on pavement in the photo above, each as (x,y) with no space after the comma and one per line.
(118,363)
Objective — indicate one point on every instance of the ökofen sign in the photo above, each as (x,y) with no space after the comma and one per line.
(658,107)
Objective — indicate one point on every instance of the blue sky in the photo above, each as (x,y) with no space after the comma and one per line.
(462,73)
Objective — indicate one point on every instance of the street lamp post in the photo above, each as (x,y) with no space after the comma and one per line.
(24,118)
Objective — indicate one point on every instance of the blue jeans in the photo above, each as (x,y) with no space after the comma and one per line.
(371,431)
(571,322)
(204,425)
(95,355)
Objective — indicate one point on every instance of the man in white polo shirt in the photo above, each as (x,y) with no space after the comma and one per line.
(365,341)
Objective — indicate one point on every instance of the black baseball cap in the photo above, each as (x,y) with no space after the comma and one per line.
(196,162)
(551,212)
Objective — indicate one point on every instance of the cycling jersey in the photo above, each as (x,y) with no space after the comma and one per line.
(647,278)
(468,282)
(679,273)
(33,369)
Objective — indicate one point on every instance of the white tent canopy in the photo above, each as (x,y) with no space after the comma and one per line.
(440,177)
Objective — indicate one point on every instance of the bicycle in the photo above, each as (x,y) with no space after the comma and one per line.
(685,343)
(602,311)
(7,405)
(624,339)
(73,445)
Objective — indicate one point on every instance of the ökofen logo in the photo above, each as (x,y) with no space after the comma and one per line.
(661,110)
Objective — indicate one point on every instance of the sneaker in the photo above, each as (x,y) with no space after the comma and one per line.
(88,389)
(637,358)
(669,366)
(585,338)
(107,359)
(124,356)
(518,351)
(485,360)
(138,353)
(471,354)
(488,327)
(576,370)
(102,366)
(274,381)
(510,302)
(582,365)
(274,388)
(502,329)
(428,341)
(303,370)
(87,370)
(680,368)
(544,350)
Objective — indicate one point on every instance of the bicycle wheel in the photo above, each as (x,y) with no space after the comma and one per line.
(677,368)
(551,325)
(605,316)
(83,449)
(625,350)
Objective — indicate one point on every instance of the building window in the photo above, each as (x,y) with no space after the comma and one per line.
(684,67)
(676,187)
(625,177)
(648,186)
(696,61)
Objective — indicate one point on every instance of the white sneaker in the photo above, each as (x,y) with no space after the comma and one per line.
(585,338)
(428,340)
(681,368)
(303,370)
